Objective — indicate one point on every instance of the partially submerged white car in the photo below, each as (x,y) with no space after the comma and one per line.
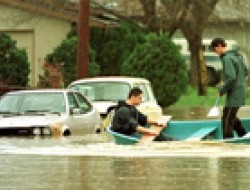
(44,112)
(104,92)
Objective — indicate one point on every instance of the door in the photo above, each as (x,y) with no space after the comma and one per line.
(80,119)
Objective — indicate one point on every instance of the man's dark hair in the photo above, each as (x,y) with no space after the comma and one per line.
(216,42)
(135,92)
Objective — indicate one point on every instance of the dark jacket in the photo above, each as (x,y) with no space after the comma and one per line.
(234,74)
(127,118)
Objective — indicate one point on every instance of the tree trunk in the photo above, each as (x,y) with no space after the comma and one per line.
(198,77)
(194,58)
(202,88)
(149,8)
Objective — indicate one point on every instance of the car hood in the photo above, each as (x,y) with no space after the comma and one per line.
(27,121)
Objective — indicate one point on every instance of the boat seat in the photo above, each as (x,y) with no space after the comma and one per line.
(201,133)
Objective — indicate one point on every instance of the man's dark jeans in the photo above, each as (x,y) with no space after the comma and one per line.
(230,122)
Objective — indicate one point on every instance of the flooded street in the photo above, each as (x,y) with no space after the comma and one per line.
(94,162)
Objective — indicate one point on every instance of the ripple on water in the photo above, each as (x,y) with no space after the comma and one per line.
(166,149)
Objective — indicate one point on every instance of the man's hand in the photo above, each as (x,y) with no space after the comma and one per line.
(157,123)
(146,130)
(151,132)
(160,124)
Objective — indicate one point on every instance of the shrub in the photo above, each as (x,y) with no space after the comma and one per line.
(159,60)
(113,45)
(52,77)
(14,65)
(65,55)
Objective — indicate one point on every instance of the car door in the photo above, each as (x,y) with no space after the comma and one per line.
(80,114)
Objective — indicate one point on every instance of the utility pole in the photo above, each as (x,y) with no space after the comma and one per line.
(83,38)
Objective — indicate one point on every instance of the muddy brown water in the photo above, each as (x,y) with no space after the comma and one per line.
(94,162)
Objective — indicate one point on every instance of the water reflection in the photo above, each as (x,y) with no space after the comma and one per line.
(160,173)
(112,173)
(234,173)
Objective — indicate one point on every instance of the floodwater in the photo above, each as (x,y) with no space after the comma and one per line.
(200,113)
(94,162)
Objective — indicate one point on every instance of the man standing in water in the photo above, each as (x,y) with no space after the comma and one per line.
(234,87)
(128,120)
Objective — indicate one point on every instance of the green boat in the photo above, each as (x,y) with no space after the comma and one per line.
(189,131)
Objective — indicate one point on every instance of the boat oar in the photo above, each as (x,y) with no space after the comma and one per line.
(214,111)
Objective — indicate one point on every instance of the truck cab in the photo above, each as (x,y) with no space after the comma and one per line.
(104,92)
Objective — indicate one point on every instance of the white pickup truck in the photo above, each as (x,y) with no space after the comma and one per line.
(104,92)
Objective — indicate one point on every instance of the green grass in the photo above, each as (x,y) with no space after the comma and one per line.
(191,98)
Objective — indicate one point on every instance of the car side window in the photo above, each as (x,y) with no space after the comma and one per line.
(83,103)
(72,101)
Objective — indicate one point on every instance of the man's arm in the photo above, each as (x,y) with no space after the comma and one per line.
(143,120)
(229,75)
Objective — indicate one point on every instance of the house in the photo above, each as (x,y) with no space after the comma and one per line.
(232,23)
(39,26)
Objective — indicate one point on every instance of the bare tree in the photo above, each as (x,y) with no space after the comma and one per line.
(150,14)
(192,28)
(190,16)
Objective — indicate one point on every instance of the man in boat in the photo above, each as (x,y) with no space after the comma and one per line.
(234,87)
(128,120)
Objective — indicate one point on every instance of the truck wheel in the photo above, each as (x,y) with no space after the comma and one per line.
(212,77)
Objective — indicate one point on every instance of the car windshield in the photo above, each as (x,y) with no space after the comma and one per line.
(103,91)
(32,102)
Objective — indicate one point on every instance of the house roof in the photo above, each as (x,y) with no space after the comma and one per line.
(232,11)
(61,10)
